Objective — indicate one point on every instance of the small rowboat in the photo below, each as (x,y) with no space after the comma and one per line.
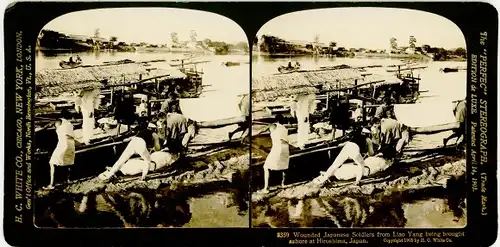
(283,69)
(70,65)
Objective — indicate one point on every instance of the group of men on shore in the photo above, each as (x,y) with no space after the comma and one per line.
(167,137)
(373,147)
(376,149)
(158,143)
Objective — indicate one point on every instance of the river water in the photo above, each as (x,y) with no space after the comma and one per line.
(441,86)
(221,81)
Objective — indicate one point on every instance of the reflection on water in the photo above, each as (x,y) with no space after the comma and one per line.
(329,212)
(217,210)
(425,208)
(167,206)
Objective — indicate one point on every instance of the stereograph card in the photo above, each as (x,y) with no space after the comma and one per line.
(260,124)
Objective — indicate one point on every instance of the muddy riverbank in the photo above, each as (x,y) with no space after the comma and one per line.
(433,193)
(164,199)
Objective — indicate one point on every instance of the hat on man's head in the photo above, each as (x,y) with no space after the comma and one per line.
(152,126)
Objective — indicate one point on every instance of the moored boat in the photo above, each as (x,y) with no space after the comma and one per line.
(229,63)
(284,69)
(454,69)
(69,65)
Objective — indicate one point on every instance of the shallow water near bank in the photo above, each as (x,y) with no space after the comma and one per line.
(431,213)
(215,211)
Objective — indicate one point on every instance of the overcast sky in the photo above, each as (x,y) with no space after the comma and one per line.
(152,25)
(366,27)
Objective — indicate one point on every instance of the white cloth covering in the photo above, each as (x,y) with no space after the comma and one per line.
(301,108)
(86,103)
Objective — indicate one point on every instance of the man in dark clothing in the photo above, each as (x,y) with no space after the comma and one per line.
(339,114)
(125,110)
(176,131)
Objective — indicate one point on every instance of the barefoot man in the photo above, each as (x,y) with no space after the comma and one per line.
(278,158)
(460,112)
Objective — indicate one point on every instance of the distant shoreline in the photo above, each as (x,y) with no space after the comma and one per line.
(360,55)
(143,50)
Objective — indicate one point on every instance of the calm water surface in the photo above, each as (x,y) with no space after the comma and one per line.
(441,86)
(223,80)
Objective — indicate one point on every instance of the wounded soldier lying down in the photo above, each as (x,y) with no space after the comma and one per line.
(361,167)
(137,166)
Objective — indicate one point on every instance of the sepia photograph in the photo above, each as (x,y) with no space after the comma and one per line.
(358,120)
(142,120)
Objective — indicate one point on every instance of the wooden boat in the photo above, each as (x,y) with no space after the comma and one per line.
(182,62)
(70,65)
(406,67)
(341,66)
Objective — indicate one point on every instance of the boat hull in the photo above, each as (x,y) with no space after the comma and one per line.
(68,65)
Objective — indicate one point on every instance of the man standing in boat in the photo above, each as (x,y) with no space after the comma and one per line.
(176,131)
(171,104)
(301,108)
(140,144)
(244,107)
(381,111)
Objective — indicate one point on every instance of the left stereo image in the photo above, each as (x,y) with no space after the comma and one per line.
(142,122)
